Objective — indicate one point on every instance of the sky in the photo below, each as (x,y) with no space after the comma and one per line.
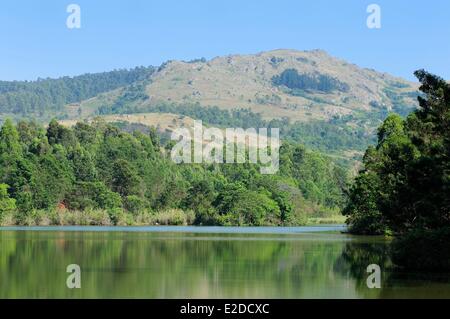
(36,42)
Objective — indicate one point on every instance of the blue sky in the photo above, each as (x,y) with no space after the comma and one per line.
(35,41)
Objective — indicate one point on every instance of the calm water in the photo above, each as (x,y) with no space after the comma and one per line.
(207,262)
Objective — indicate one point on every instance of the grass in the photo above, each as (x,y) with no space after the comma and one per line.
(120,217)
(97,217)
(335,219)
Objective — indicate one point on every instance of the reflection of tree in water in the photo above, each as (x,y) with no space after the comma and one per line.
(395,283)
(355,258)
(157,266)
(116,264)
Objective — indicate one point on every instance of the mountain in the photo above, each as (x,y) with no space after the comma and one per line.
(258,82)
(301,85)
(319,100)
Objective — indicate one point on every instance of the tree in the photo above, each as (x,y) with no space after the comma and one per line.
(9,140)
(85,195)
(239,206)
(125,181)
(135,204)
(362,209)
(82,164)
(200,199)
(7,204)
(50,95)
(405,183)
(98,166)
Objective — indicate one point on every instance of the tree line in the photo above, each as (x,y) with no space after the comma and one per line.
(336,136)
(49,95)
(97,174)
(404,187)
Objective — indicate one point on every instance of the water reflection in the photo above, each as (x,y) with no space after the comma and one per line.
(395,283)
(187,265)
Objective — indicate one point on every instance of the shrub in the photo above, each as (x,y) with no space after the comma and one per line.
(143,218)
(173,217)
(116,215)
(93,195)
(7,205)
(90,217)
(8,219)
(135,204)
(124,219)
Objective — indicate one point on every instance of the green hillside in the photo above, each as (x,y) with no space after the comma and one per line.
(49,97)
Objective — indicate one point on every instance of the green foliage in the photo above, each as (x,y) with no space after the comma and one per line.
(97,168)
(125,179)
(364,216)
(200,198)
(317,178)
(50,95)
(135,204)
(336,135)
(397,99)
(240,206)
(173,217)
(291,79)
(95,195)
(330,137)
(213,115)
(404,186)
(126,100)
(7,205)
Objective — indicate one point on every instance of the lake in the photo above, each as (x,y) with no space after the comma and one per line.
(203,262)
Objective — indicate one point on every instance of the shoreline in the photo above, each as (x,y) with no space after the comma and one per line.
(188,229)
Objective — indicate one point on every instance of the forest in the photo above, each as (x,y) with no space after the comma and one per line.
(45,96)
(403,189)
(336,136)
(293,80)
(96,174)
